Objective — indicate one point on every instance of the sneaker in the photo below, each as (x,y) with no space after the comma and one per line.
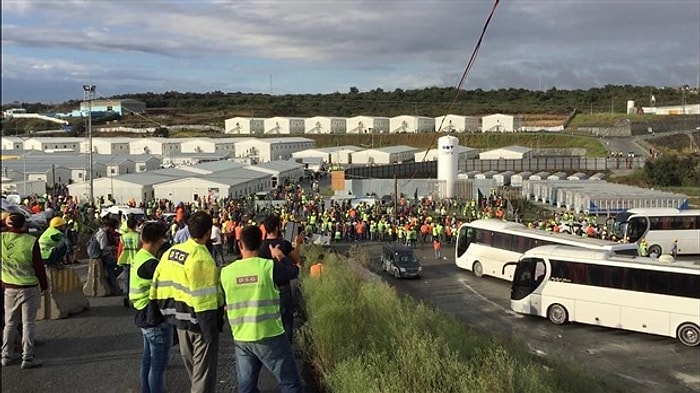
(10,360)
(31,363)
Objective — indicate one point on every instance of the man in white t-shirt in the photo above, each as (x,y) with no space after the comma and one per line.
(217,242)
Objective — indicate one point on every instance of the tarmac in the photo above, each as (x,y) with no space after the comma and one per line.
(100,350)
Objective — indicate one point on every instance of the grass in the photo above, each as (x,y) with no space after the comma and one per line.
(361,336)
(606,119)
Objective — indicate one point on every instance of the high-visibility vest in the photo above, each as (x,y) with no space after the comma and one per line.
(139,288)
(186,282)
(47,241)
(17,266)
(252,299)
(130,246)
(316,270)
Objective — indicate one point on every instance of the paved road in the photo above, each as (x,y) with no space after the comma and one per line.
(99,350)
(644,363)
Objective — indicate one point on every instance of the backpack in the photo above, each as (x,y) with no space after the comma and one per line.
(93,248)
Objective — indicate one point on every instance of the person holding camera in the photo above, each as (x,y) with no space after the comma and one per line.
(273,237)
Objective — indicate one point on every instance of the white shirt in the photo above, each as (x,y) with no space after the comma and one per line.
(216,235)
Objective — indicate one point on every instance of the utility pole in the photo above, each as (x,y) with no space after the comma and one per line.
(396,197)
(89,96)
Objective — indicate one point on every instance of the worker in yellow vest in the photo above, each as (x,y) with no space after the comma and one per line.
(188,293)
(23,280)
(253,310)
(128,247)
(157,332)
(53,243)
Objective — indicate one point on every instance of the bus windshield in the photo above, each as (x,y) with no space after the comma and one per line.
(528,275)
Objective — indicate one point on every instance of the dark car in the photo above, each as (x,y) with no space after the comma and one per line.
(400,261)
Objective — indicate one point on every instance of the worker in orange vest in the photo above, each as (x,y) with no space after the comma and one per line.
(316,269)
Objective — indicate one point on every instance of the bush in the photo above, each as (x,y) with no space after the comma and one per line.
(362,337)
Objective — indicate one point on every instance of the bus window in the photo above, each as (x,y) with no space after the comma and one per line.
(636,228)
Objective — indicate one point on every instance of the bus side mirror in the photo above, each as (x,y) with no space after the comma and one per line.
(503,271)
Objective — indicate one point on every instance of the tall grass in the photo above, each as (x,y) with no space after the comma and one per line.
(362,337)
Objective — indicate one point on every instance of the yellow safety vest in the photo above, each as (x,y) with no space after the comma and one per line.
(17,264)
(139,288)
(130,246)
(186,282)
(46,243)
(252,299)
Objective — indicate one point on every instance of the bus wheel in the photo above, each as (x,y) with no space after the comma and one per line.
(557,314)
(397,275)
(655,249)
(478,269)
(689,334)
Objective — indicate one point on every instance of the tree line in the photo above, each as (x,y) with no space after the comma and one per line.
(433,101)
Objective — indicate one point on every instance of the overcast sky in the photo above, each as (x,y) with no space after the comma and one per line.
(51,48)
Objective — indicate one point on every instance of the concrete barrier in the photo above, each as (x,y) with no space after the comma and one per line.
(96,284)
(64,296)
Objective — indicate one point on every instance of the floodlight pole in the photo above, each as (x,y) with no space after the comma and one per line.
(89,95)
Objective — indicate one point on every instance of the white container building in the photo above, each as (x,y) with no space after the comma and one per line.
(577,176)
(284,125)
(367,125)
(244,126)
(157,146)
(384,155)
(411,124)
(507,153)
(325,125)
(499,122)
(456,123)
(272,149)
(517,179)
(463,153)
(503,178)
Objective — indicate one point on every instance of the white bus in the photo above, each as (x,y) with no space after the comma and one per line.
(660,227)
(599,288)
(484,246)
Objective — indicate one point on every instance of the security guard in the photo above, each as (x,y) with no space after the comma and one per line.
(157,333)
(53,243)
(253,311)
(129,247)
(188,293)
(23,280)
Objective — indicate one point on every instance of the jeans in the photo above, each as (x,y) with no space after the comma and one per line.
(218,254)
(275,353)
(287,310)
(156,350)
(21,305)
(109,262)
(126,272)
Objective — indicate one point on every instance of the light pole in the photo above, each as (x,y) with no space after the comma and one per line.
(684,90)
(24,168)
(89,95)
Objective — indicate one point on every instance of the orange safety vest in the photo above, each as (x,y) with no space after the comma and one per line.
(316,270)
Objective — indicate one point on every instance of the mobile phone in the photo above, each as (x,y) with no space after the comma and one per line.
(291,230)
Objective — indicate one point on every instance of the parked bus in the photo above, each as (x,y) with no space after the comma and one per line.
(660,227)
(484,246)
(596,287)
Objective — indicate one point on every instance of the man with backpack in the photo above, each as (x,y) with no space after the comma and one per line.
(108,240)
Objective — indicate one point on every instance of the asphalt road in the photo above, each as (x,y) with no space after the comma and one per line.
(636,361)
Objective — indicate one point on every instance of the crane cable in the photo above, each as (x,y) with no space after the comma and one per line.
(470,64)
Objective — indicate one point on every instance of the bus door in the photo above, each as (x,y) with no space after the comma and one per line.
(464,238)
(524,294)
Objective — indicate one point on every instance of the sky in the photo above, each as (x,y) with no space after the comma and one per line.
(51,48)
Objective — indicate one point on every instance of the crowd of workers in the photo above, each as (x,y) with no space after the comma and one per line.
(173,264)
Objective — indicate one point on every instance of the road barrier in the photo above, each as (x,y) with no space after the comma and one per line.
(64,296)
(96,284)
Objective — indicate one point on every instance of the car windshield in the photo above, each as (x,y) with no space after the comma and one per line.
(406,260)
